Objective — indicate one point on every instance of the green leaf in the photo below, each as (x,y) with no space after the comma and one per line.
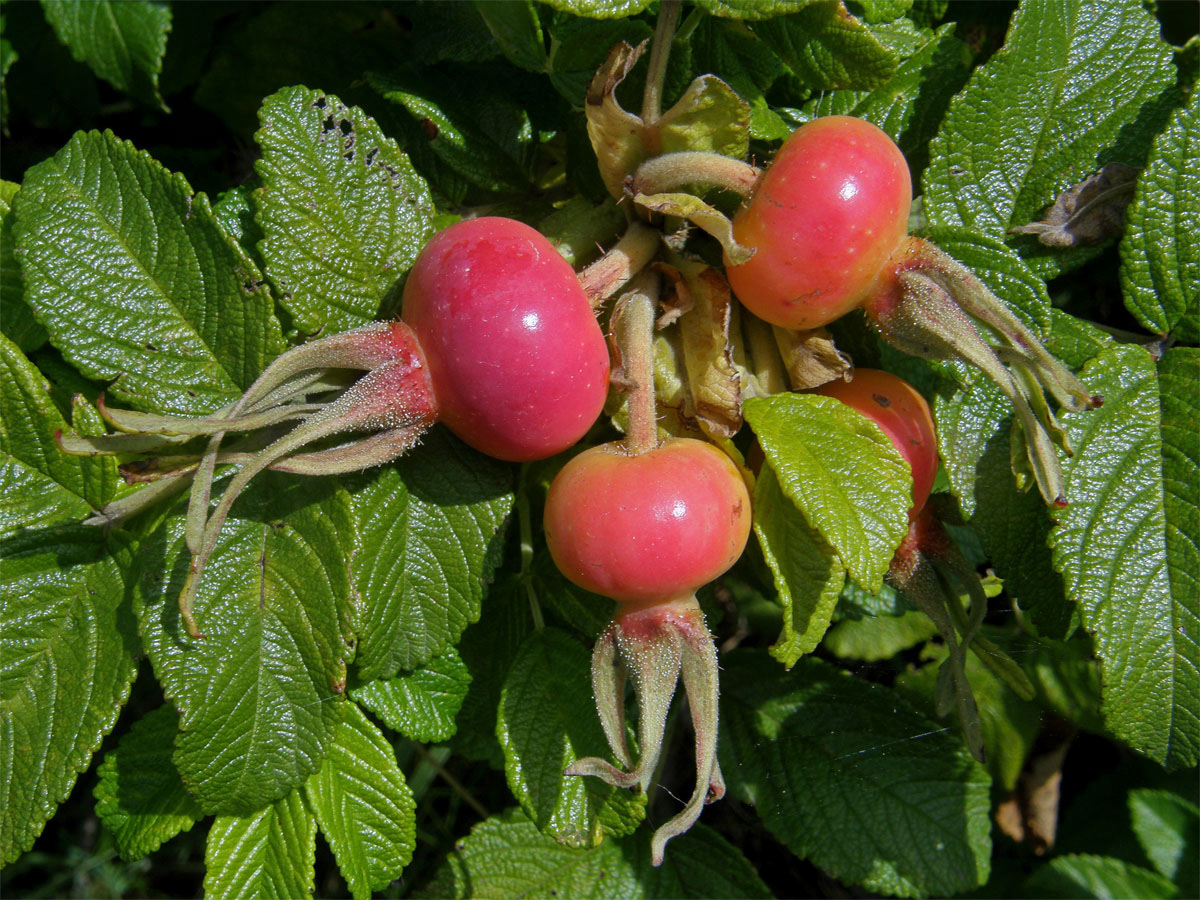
(258,695)
(342,210)
(1066,678)
(753,9)
(1111,545)
(428,533)
(1082,876)
(974,436)
(122,42)
(1168,828)
(270,853)
(911,104)
(749,67)
(842,472)
(488,648)
(160,301)
(1076,85)
(808,574)
(506,856)
(1010,725)
(1160,263)
(39,484)
(848,775)
(140,797)
(579,46)
(878,638)
(599,9)
(546,721)
(827,48)
(16,317)
(420,704)
(8,56)
(515,27)
(68,654)
(482,134)
(1178,380)
(363,805)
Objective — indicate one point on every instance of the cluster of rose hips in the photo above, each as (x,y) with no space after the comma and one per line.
(499,341)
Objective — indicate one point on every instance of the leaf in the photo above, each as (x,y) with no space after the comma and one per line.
(546,721)
(599,9)
(1178,377)
(258,695)
(123,43)
(423,703)
(39,484)
(68,654)
(842,472)
(1076,85)
(578,47)
(428,534)
(1111,545)
(701,214)
(1084,876)
(16,318)
(1010,725)
(270,853)
(808,573)
(848,775)
(1066,678)
(506,856)
(709,117)
(1160,265)
(515,27)
(160,301)
(488,648)
(363,805)
(140,797)
(878,638)
(910,106)
(1168,828)
(483,134)
(342,210)
(1090,212)
(974,436)
(827,48)
(753,9)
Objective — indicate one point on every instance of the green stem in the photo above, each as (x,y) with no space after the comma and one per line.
(674,171)
(526,527)
(660,52)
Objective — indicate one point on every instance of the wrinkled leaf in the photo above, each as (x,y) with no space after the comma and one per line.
(140,797)
(68,654)
(16,317)
(1031,121)
(161,302)
(808,574)
(1111,545)
(546,721)
(1160,263)
(423,703)
(841,472)
(343,212)
(363,805)
(270,853)
(848,775)
(506,856)
(122,42)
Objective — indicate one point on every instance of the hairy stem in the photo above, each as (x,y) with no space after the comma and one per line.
(660,52)
(614,269)
(634,333)
(673,171)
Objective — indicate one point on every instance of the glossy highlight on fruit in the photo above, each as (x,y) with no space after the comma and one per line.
(902,414)
(518,363)
(651,528)
(823,220)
